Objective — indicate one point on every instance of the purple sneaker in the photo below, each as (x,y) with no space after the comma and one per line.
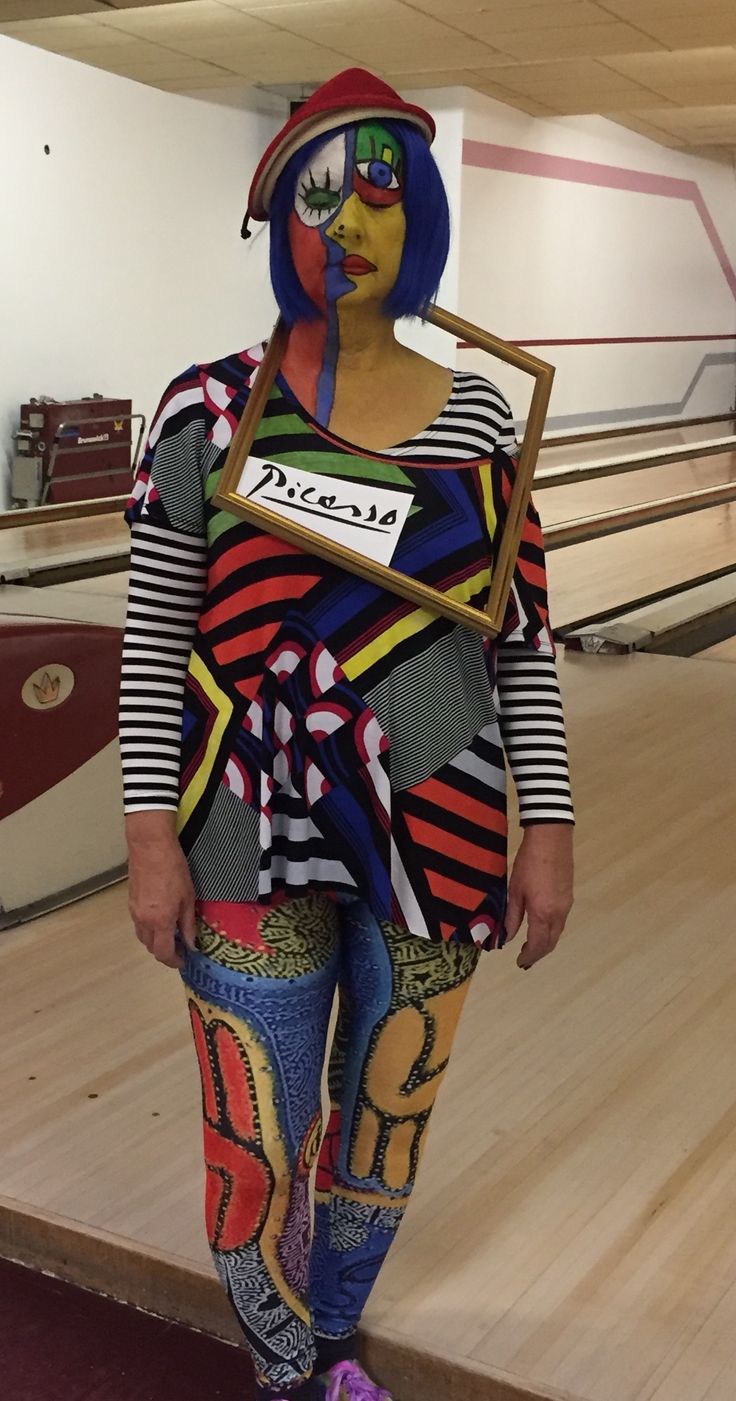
(347,1381)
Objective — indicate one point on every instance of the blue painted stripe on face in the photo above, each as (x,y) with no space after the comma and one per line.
(336,285)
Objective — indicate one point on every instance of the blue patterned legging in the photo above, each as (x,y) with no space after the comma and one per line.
(260,991)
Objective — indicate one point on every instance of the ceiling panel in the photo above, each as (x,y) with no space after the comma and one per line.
(223,83)
(370,35)
(532,12)
(643,124)
(533,18)
(668,73)
(680,10)
(403,54)
(666,68)
(152,64)
(12,10)
(539,25)
(436,78)
(184,17)
(257,7)
(696,33)
(690,78)
(589,40)
(567,78)
(530,105)
(681,23)
(308,16)
(310,65)
(717,122)
(64,35)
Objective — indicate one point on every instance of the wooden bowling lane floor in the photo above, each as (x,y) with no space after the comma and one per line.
(571,1236)
(62,544)
(632,444)
(565,503)
(721,651)
(603,575)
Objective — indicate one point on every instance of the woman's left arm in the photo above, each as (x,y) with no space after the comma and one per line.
(533,732)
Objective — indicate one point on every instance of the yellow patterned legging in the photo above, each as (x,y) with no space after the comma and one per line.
(260,991)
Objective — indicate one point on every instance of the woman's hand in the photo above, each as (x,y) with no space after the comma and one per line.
(160,891)
(540,886)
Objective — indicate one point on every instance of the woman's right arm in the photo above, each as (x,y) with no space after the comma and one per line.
(168,572)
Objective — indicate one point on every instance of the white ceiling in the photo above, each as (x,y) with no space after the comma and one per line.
(666,68)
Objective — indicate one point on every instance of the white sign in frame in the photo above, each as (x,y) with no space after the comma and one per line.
(362,515)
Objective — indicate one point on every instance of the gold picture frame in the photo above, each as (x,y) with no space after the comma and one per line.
(488,620)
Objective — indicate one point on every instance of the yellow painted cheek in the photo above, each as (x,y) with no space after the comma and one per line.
(383,233)
(387,234)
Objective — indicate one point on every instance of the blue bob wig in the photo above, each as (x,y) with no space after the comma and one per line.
(427,229)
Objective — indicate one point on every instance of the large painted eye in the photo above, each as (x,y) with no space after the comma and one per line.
(317,201)
(319,187)
(378,173)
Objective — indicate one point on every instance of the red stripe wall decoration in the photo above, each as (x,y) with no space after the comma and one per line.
(487,156)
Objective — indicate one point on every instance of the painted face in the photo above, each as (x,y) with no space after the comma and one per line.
(347,229)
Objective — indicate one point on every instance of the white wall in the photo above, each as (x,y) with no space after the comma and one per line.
(545,257)
(121,260)
(447,108)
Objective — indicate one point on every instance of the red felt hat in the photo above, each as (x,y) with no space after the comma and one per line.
(351,96)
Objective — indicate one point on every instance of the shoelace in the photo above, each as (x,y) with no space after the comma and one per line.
(357,1386)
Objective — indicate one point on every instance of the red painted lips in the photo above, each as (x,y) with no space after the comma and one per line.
(355,266)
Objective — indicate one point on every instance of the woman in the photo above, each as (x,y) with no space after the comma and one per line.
(333,753)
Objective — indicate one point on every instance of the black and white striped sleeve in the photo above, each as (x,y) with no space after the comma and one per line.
(533,733)
(529,701)
(168,571)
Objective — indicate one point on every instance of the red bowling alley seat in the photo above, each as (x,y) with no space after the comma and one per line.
(60,799)
(58,700)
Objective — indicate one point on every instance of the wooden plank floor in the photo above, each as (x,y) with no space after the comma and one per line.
(61,543)
(565,503)
(605,574)
(634,443)
(721,651)
(572,1232)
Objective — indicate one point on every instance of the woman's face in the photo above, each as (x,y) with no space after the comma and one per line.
(347,228)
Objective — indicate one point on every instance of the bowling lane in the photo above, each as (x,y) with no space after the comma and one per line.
(721,652)
(585,579)
(588,498)
(112,585)
(28,549)
(607,574)
(635,443)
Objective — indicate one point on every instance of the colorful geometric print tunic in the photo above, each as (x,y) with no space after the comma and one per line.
(334,736)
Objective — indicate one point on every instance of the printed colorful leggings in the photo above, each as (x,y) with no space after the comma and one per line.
(260,990)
